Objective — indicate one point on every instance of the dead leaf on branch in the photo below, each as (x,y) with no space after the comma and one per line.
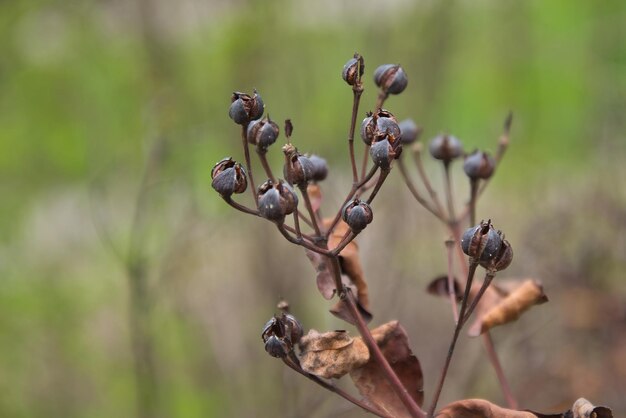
(504,301)
(325,281)
(315,196)
(331,354)
(480,408)
(439,287)
(509,308)
(371,381)
(584,409)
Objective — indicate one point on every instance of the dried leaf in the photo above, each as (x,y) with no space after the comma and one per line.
(350,261)
(325,281)
(331,354)
(439,287)
(584,409)
(315,196)
(341,311)
(370,379)
(480,408)
(508,308)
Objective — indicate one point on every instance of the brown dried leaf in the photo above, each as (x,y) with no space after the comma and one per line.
(370,379)
(439,287)
(584,409)
(325,281)
(331,354)
(350,261)
(480,408)
(341,311)
(501,308)
(315,196)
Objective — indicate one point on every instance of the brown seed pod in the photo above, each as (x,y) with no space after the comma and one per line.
(245,108)
(228,177)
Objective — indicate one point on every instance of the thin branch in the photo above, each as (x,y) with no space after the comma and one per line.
(472,201)
(381,179)
(262,153)
(355,188)
(414,191)
(246,153)
(451,287)
(302,242)
(488,278)
(348,298)
(357,89)
(448,187)
(495,361)
(417,158)
(334,389)
(309,207)
(457,330)
(347,239)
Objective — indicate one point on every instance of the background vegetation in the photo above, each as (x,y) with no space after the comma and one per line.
(97,95)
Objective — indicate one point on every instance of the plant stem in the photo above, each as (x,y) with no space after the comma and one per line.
(348,298)
(448,186)
(415,193)
(451,287)
(366,152)
(347,239)
(262,153)
(357,89)
(457,330)
(495,361)
(246,153)
(488,278)
(417,158)
(334,389)
(472,201)
(381,179)
(309,207)
(355,188)
(299,241)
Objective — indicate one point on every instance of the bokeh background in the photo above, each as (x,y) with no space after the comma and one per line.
(118,261)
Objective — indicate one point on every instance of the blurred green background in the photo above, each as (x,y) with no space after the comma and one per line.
(112,242)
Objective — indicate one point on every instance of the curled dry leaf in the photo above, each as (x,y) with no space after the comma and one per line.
(325,282)
(584,409)
(480,408)
(370,379)
(331,354)
(500,304)
(508,308)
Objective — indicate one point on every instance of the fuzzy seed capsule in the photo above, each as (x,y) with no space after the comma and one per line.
(262,132)
(479,165)
(357,214)
(445,148)
(245,108)
(228,177)
(391,78)
(481,242)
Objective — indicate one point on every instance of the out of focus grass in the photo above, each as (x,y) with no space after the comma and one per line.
(87,87)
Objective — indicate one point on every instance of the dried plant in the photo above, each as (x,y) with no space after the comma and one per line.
(379,361)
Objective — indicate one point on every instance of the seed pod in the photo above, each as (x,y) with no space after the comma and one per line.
(320,168)
(479,165)
(353,70)
(357,214)
(228,177)
(445,148)
(262,132)
(298,169)
(277,347)
(383,153)
(409,131)
(391,78)
(378,125)
(276,200)
(293,328)
(481,242)
(502,260)
(245,108)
